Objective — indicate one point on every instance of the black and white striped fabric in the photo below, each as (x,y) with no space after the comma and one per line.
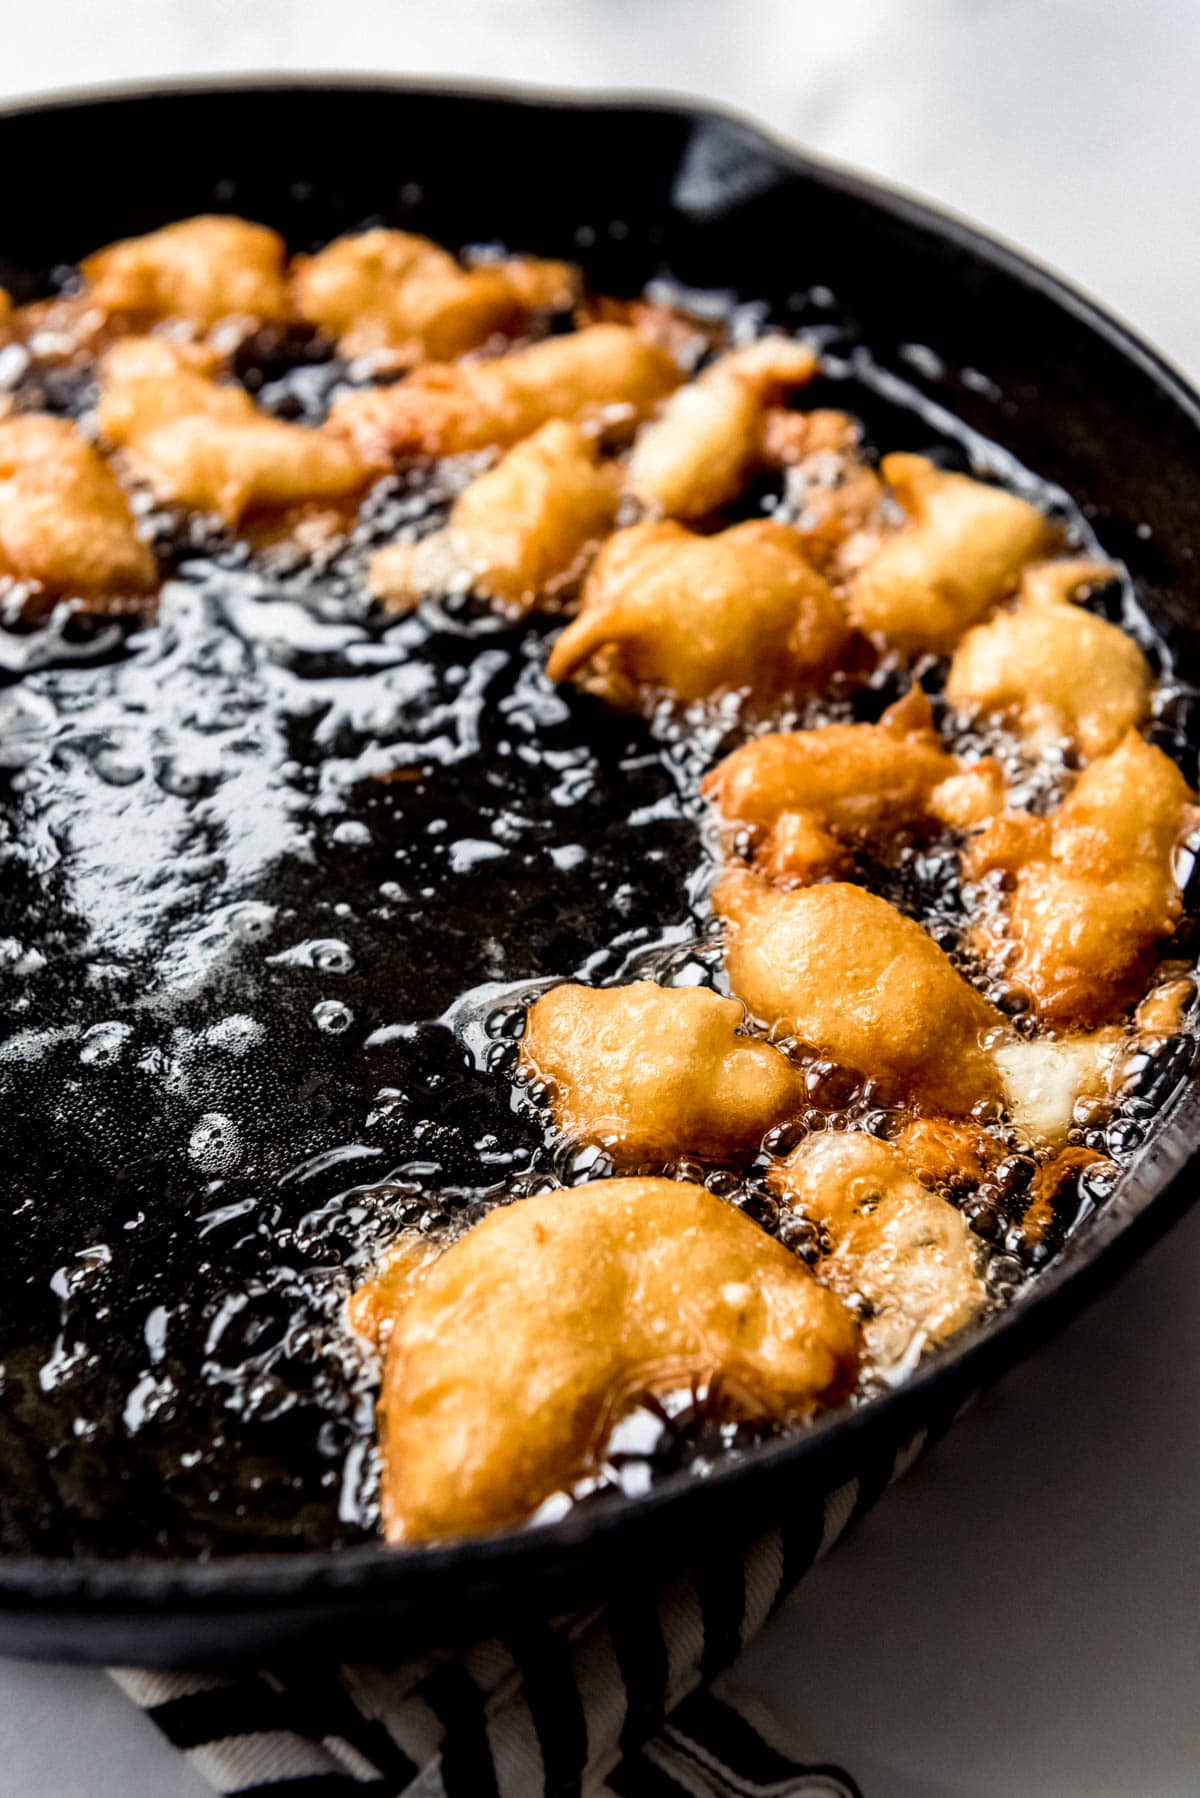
(616,1703)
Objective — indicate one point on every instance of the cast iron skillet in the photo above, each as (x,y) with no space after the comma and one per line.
(1068,390)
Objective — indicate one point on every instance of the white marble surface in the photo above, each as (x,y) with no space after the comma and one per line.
(1020,1617)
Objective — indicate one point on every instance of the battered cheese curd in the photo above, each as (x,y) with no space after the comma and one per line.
(509,1358)
(664,608)
(66,528)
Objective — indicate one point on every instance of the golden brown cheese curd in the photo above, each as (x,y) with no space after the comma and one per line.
(946,1153)
(1161,1012)
(960,550)
(664,608)
(605,376)
(148,382)
(809,797)
(1053,669)
(511,1357)
(904,1249)
(847,973)
(835,500)
(66,529)
(657,1073)
(700,451)
(392,290)
(204,444)
(522,533)
(201,269)
(1094,886)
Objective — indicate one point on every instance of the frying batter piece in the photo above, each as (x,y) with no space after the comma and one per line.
(1053,669)
(521,534)
(904,1249)
(850,975)
(959,552)
(606,378)
(511,1357)
(66,529)
(810,797)
(700,451)
(204,444)
(395,291)
(655,1072)
(835,501)
(1045,1077)
(202,269)
(664,608)
(1094,886)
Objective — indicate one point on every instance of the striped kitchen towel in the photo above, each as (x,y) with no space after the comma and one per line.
(619,1702)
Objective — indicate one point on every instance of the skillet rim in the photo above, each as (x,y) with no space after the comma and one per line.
(1115,1238)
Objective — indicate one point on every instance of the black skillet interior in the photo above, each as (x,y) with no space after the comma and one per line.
(631,191)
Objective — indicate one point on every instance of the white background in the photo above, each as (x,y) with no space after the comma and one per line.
(1021,1618)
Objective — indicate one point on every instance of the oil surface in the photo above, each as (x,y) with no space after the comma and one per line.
(277,878)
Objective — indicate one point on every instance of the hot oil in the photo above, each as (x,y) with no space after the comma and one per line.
(279,878)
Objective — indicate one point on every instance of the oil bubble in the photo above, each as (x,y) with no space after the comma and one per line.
(331,1016)
(329,955)
(215,1144)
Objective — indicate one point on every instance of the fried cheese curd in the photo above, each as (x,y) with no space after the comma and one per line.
(835,500)
(521,534)
(655,1072)
(395,291)
(847,973)
(959,552)
(202,269)
(510,1357)
(809,798)
(1051,668)
(890,1240)
(1094,886)
(699,452)
(604,377)
(66,530)
(664,608)
(203,443)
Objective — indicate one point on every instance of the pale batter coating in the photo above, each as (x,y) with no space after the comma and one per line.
(847,973)
(201,269)
(605,377)
(1094,886)
(655,1073)
(66,529)
(511,1357)
(708,439)
(521,535)
(810,797)
(905,1250)
(664,608)
(959,552)
(204,444)
(395,291)
(1045,1077)
(1052,669)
